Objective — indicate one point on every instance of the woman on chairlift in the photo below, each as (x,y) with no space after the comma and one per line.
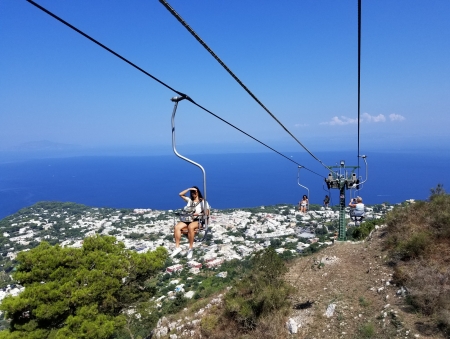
(303,204)
(196,206)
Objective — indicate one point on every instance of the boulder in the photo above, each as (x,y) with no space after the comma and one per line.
(292,326)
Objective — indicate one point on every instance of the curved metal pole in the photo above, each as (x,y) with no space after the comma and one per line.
(298,181)
(176,100)
(367,170)
(367,173)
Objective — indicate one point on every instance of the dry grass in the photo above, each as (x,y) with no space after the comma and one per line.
(273,326)
(355,279)
(216,326)
(345,279)
(419,243)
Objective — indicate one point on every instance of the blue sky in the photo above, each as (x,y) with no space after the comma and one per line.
(298,57)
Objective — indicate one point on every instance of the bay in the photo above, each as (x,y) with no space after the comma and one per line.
(233,180)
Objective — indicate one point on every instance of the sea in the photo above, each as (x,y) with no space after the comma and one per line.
(232,180)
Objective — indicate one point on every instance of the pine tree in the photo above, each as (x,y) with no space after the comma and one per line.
(78,293)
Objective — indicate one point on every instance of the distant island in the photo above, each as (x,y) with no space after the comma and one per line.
(42,145)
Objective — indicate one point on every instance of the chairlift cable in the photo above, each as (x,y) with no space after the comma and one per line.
(206,110)
(159,81)
(103,46)
(197,37)
(359,76)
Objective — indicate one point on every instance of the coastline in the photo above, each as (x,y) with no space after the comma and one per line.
(233,180)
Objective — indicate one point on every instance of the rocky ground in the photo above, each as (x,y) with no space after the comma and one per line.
(343,291)
(346,291)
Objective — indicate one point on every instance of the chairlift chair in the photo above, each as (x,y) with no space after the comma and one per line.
(203,220)
(358,218)
(298,181)
(328,190)
(357,186)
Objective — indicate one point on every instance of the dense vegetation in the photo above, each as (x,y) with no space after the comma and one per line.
(103,291)
(260,293)
(96,291)
(419,242)
(363,231)
(79,293)
(253,302)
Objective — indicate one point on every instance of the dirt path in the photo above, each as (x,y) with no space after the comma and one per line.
(353,282)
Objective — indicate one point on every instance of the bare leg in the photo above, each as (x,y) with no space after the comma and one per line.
(191,233)
(177,232)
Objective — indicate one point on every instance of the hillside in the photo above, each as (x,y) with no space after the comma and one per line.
(366,289)
(394,284)
(357,281)
(343,291)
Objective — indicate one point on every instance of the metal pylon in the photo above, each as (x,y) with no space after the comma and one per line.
(342,225)
(342,180)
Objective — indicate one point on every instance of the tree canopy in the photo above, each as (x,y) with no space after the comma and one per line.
(78,292)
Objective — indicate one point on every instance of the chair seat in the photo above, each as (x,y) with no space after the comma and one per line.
(185,230)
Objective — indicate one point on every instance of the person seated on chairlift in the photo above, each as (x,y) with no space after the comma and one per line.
(326,201)
(303,204)
(357,209)
(196,204)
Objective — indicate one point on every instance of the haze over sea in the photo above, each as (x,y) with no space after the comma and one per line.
(233,180)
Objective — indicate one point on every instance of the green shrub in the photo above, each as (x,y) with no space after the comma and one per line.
(208,324)
(367,330)
(134,235)
(175,305)
(363,302)
(363,231)
(260,293)
(415,246)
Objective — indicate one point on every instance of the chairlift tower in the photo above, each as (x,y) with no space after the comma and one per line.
(342,179)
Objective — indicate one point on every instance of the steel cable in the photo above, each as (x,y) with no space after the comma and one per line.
(197,37)
(359,75)
(161,82)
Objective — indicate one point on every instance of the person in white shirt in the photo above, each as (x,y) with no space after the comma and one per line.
(357,209)
(303,204)
(196,204)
